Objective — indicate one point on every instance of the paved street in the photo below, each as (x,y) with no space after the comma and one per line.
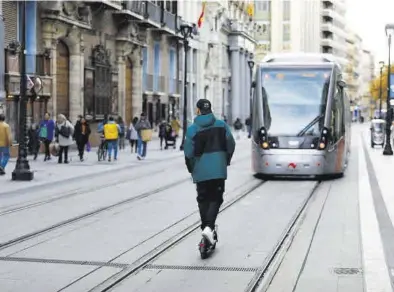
(133,226)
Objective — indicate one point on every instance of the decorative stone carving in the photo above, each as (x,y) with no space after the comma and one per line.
(14,47)
(101,56)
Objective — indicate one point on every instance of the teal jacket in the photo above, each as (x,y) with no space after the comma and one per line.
(208,148)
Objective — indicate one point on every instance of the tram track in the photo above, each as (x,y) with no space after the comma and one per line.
(38,187)
(262,275)
(94,212)
(80,191)
(148,258)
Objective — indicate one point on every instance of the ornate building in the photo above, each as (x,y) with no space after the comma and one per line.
(95,58)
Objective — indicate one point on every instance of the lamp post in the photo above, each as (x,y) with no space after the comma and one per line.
(381,64)
(387,148)
(251,65)
(22,170)
(186,31)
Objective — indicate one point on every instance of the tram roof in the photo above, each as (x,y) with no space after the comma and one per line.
(300,59)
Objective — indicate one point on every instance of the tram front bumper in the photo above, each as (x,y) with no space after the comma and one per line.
(290,164)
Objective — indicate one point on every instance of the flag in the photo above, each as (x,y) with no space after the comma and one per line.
(201,18)
(250,9)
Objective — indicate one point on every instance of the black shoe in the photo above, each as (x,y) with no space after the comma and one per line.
(60,162)
(2,172)
(66,162)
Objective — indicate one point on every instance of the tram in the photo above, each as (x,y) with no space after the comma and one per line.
(301,118)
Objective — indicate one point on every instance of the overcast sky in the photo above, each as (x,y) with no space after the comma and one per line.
(368,18)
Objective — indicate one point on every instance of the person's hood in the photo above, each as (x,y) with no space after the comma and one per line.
(205,120)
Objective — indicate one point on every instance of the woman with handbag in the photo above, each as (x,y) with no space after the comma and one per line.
(81,135)
(64,136)
(144,130)
(46,132)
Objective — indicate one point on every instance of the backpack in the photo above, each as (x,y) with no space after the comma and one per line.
(65,131)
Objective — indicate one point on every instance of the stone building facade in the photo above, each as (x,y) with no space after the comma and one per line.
(95,58)
(218,59)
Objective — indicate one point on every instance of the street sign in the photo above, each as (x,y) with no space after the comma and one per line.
(29,83)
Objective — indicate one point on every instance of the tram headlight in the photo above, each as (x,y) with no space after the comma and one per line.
(265,145)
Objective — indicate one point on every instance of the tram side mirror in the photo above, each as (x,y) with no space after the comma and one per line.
(341,84)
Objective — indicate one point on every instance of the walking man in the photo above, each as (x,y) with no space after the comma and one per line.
(5,143)
(209,147)
(111,135)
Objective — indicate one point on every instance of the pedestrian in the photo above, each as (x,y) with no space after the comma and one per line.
(133,135)
(100,131)
(46,133)
(238,127)
(208,149)
(81,135)
(176,127)
(248,123)
(34,140)
(162,133)
(111,135)
(64,136)
(122,133)
(144,130)
(5,143)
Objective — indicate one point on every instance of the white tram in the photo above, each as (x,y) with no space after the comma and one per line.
(301,121)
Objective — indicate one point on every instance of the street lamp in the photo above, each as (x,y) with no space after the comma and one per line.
(251,65)
(387,148)
(381,64)
(22,170)
(186,31)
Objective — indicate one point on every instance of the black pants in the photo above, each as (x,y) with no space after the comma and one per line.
(63,149)
(210,198)
(161,142)
(81,149)
(46,146)
(133,144)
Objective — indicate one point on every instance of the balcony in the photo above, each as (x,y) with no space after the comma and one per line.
(108,4)
(150,15)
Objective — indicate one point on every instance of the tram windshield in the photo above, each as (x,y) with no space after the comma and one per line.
(294,100)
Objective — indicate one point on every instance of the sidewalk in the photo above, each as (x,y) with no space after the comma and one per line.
(50,172)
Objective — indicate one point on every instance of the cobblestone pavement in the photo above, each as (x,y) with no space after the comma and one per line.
(133,226)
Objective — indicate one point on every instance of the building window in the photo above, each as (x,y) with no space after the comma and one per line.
(264,32)
(286,32)
(172,78)
(102,81)
(286,46)
(286,10)
(265,5)
(144,68)
(194,61)
(156,66)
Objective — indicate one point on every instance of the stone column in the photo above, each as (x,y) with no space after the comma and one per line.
(242,85)
(121,64)
(2,90)
(50,43)
(235,86)
(75,86)
(137,82)
(246,83)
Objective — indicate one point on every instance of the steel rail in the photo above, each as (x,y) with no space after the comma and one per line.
(165,246)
